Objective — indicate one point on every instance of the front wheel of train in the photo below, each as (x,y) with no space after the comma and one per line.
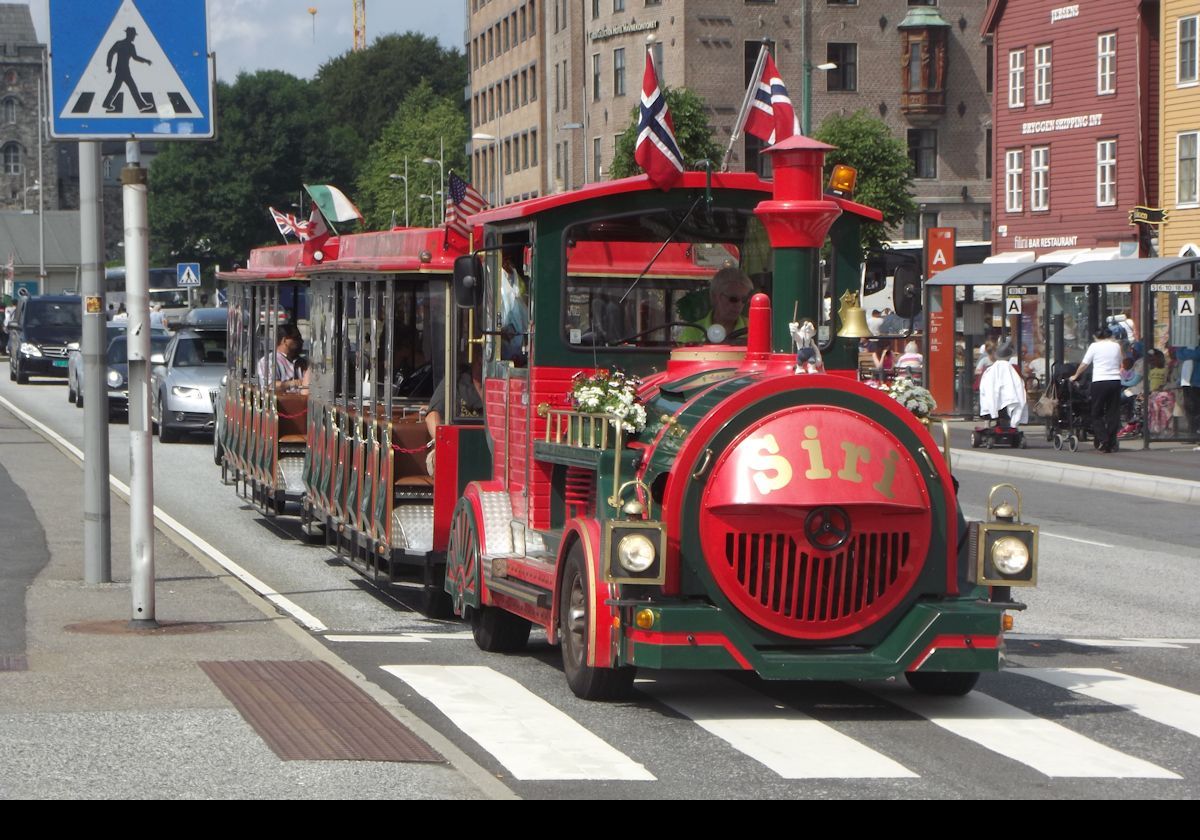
(498,631)
(943,683)
(574,623)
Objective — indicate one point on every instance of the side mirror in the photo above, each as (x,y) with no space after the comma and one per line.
(468,276)
(906,291)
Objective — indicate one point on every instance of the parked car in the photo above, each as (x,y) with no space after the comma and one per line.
(117,376)
(75,358)
(185,385)
(42,334)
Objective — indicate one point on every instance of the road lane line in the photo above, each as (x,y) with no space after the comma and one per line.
(400,638)
(1047,747)
(220,558)
(1124,643)
(1169,706)
(1076,539)
(786,740)
(530,737)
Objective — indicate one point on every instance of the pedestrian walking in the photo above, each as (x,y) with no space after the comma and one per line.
(1104,357)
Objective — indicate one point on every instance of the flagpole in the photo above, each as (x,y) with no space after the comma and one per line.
(741,118)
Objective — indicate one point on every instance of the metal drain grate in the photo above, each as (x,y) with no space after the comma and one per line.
(307,711)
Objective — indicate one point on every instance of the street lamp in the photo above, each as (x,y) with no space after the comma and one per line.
(441,174)
(496,172)
(403,178)
(432,207)
(806,123)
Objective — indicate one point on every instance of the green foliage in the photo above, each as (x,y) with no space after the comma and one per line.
(423,121)
(692,132)
(208,200)
(359,92)
(884,169)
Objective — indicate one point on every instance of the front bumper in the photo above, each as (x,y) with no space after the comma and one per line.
(959,635)
(44,366)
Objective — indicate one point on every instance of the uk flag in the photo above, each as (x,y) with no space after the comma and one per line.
(656,151)
(772,117)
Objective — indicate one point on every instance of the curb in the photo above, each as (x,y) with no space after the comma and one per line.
(1080,477)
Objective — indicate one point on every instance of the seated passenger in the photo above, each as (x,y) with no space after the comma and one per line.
(469,392)
(729,292)
(514,326)
(911,358)
(287,350)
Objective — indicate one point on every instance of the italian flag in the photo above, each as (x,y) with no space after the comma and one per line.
(333,203)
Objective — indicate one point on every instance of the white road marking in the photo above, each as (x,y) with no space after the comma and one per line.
(787,741)
(285,604)
(1162,704)
(399,638)
(1124,643)
(526,734)
(1075,539)
(1045,746)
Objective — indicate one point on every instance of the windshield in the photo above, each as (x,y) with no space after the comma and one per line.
(118,354)
(200,349)
(626,289)
(44,313)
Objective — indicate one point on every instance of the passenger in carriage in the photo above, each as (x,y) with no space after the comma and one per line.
(469,392)
(288,344)
(514,323)
(729,291)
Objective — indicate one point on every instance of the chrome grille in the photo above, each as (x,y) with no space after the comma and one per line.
(775,571)
(212,396)
(54,352)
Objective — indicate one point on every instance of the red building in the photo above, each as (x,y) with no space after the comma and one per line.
(1075,125)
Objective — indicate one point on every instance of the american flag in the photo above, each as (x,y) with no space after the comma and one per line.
(464,202)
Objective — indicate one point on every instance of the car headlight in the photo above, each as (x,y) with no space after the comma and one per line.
(635,553)
(74,345)
(1010,555)
(28,349)
(186,392)
(115,379)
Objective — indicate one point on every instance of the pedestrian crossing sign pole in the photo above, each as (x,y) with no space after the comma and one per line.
(130,69)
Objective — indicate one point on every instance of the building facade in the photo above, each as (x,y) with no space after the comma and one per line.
(20,85)
(921,68)
(1179,83)
(1076,114)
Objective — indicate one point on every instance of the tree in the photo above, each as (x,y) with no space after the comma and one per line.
(692,132)
(208,200)
(359,92)
(884,170)
(424,123)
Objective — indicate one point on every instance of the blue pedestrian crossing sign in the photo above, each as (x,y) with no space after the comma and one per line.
(187,275)
(130,69)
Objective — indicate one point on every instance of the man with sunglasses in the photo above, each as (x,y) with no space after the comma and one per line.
(729,292)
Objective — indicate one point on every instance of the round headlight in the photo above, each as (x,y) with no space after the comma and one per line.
(1010,555)
(115,379)
(635,553)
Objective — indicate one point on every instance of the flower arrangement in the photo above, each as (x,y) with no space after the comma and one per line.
(912,396)
(612,394)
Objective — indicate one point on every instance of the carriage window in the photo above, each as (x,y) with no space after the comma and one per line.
(675,300)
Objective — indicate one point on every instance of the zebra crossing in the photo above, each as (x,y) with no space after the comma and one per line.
(535,740)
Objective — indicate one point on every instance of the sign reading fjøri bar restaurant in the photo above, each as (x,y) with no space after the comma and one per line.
(130,69)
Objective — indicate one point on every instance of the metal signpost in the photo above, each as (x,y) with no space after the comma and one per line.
(126,71)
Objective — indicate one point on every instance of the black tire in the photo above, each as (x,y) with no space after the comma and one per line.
(1058,441)
(976,440)
(79,399)
(165,433)
(12,372)
(943,683)
(436,603)
(20,376)
(70,392)
(497,631)
(574,604)
(218,449)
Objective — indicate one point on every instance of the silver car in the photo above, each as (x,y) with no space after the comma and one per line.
(184,386)
(158,341)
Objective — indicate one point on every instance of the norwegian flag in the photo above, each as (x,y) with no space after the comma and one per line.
(464,202)
(772,117)
(656,151)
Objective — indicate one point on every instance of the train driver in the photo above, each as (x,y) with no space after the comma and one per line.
(729,291)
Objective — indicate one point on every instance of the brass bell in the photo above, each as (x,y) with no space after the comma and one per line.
(853,318)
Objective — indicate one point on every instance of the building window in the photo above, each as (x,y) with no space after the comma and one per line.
(1185,72)
(1187,175)
(1016,79)
(618,5)
(596,77)
(990,66)
(922,151)
(845,75)
(841,2)
(987,154)
(656,49)
(1106,63)
(1041,74)
(524,87)
(595,9)
(1039,167)
(1106,173)
(1014,180)
(532,17)
(524,27)
(12,159)
(597,170)
(619,71)
(557,101)
(533,83)
(916,224)
(10,110)
(533,147)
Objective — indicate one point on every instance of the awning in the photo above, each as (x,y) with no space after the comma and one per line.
(1119,271)
(996,274)
(1011,257)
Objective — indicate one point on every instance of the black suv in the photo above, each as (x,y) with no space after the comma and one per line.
(42,333)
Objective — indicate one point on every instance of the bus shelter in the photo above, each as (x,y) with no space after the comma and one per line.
(992,301)
(1153,303)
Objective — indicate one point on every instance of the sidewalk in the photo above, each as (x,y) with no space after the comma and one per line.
(1169,471)
(91,709)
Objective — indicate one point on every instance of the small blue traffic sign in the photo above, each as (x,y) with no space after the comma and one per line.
(187,275)
(121,69)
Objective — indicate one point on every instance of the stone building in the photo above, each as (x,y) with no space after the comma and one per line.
(21,56)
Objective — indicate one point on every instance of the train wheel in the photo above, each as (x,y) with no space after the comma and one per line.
(462,560)
(436,603)
(944,684)
(498,631)
(574,612)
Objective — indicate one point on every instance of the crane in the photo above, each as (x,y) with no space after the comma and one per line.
(360,24)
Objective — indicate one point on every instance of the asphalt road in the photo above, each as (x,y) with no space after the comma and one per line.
(1102,699)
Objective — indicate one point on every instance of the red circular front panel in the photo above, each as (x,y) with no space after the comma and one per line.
(815,522)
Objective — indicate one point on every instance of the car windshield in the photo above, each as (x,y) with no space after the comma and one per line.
(118,353)
(200,349)
(44,313)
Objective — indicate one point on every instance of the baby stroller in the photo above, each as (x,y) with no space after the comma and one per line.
(1067,424)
